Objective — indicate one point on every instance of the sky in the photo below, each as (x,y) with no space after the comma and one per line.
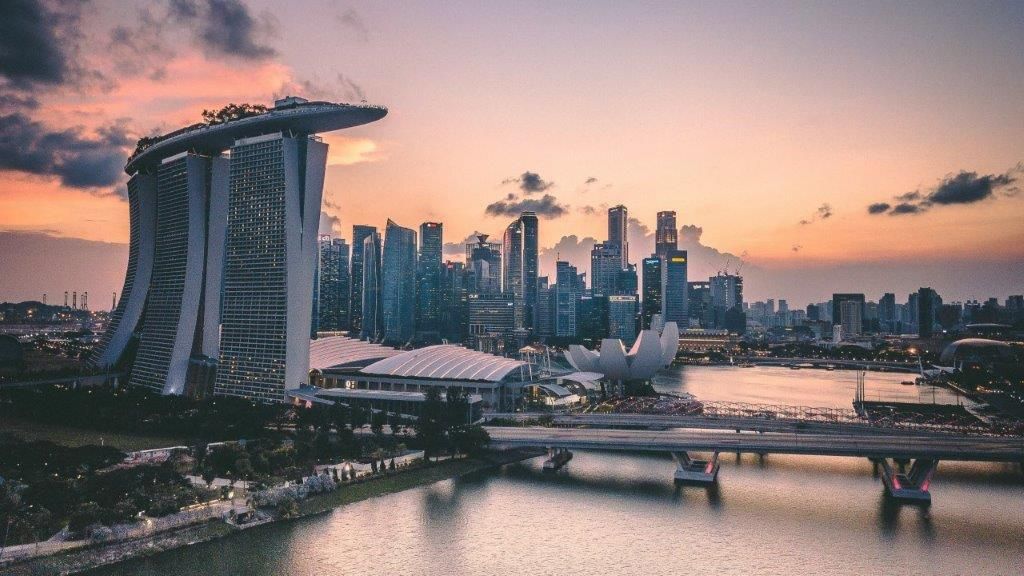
(817,147)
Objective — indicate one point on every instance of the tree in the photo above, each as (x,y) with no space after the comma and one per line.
(377,422)
(430,426)
(471,440)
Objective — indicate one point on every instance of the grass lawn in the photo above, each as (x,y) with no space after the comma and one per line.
(68,436)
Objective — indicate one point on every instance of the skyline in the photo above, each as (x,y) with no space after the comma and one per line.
(744,139)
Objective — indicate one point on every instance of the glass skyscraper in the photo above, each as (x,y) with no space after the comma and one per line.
(618,223)
(359,235)
(332,294)
(371,327)
(428,280)
(674,300)
(398,284)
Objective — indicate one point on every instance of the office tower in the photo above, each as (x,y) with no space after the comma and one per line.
(652,289)
(454,302)
(545,312)
(85,300)
(838,310)
(850,313)
(74,300)
(483,260)
(372,320)
(223,252)
(783,307)
(627,283)
(191,197)
(813,312)
(674,300)
(928,305)
(618,222)
(887,318)
(699,306)
(726,291)
(666,236)
(513,281)
(605,265)
(531,264)
(332,287)
(492,321)
(769,306)
(359,235)
(592,318)
(428,280)
(1015,308)
(566,294)
(622,311)
(398,284)
(66,292)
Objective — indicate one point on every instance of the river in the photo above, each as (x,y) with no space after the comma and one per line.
(617,514)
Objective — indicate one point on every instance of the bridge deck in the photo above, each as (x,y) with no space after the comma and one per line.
(946,447)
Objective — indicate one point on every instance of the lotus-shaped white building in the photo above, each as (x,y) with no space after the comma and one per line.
(650,353)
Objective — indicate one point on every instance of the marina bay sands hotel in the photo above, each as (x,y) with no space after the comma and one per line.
(223,250)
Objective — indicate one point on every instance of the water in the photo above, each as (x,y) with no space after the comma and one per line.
(621,514)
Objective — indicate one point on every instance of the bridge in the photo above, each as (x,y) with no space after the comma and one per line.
(890,450)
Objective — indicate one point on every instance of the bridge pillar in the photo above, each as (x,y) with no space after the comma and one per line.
(692,471)
(557,457)
(911,486)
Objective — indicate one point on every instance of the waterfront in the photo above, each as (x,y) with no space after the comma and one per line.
(615,513)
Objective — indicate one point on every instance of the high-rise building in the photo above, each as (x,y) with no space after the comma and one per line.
(652,289)
(454,302)
(627,283)
(592,318)
(622,315)
(700,307)
(887,319)
(330,305)
(372,324)
(674,300)
(513,279)
(567,291)
(852,320)
(618,232)
(838,311)
(359,235)
(428,280)
(605,265)
(531,264)
(492,322)
(666,235)
(726,291)
(928,305)
(544,315)
(483,263)
(398,284)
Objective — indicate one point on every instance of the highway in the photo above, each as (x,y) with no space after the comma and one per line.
(945,447)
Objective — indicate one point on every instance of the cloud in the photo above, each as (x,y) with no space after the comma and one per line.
(571,249)
(354,22)
(226,28)
(823,212)
(32,42)
(546,207)
(797,248)
(78,161)
(529,182)
(879,208)
(590,180)
(589,210)
(690,234)
(963,188)
(906,208)
(329,224)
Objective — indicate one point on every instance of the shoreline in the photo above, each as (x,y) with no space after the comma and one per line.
(95,556)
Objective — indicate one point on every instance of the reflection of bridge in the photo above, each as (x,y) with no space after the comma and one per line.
(777,437)
(833,362)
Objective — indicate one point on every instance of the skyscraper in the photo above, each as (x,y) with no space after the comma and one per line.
(454,302)
(398,284)
(652,289)
(674,300)
(545,311)
(928,305)
(372,318)
(359,235)
(838,310)
(566,294)
(852,320)
(887,318)
(700,307)
(618,222)
(622,318)
(483,260)
(332,294)
(531,265)
(513,282)
(428,289)
(605,265)
(666,236)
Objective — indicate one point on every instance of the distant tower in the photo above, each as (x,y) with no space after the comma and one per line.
(113,301)
(74,300)
(85,300)
(44,297)
(65,298)
(666,236)
(618,218)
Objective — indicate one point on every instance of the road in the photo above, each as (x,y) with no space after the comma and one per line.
(946,447)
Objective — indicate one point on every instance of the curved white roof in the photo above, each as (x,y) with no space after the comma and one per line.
(446,362)
(338,350)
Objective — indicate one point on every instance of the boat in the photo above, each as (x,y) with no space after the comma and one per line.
(908,383)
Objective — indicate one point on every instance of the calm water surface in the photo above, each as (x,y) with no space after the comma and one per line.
(621,514)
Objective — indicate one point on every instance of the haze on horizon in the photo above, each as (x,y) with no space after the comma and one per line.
(869,147)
